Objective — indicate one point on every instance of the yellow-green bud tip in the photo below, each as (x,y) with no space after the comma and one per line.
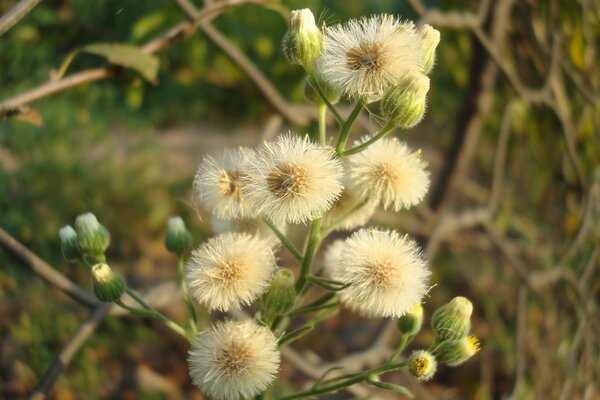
(177,240)
(108,286)
(422,365)
(303,42)
(452,320)
(411,322)
(431,39)
(404,105)
(456,352)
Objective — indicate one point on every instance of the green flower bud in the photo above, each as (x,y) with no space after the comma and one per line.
(108,286)
(411,322)
(422,365)
(456,352)
(332,93)
(303,42)
(68,243)
(404,105)
(281,294)
(452,321)
(177,240)
(92,237)
(431,39)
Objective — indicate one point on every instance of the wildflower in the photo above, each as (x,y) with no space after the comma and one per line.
(343,208)
(253,226)
(92,237)
(177,240)
(68,243)
(389,173)
(367,56)
(234,360)
(303,42)
(229,270)
(403,105)
(108,286)
(452,321)
(218,183)
(422,365)
(456,352)
(386,273)
(293,179)
(431,39)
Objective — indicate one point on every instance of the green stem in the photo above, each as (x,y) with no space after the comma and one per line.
(363,376)
(309,253)
(322,123)
(328,104)
(151,312)
(345,131)
(384,131)
(404,340)
(328,229)
(283,239)
(186,296)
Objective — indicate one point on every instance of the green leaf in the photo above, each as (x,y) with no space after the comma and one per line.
(390,386)
(127,56)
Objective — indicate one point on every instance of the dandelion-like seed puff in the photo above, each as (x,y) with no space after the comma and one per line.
(386,273)
(367,56)
(218,183)
(292,179)
(390,173)
(234,360)
(229,270)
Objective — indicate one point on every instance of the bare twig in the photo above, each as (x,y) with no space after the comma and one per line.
(45,271)
(84,331)
(15,14)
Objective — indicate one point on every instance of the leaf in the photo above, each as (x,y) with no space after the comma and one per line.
(127,56)
(390,386)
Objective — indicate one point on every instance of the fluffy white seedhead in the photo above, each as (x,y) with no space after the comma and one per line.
(229,270)
(333,255)
(253,226)
(218,183)
(369,55)
(234,360)
(390,173)
(386,273)
(292,179)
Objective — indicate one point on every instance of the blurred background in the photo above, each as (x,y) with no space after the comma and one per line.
(512,220)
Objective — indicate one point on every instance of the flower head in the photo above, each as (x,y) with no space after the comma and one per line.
(234,360)
(422,365)
(456,352)
(293,179)
(386,273)
(218,183)
(368,55)
(229,270)
(303,42)
(333,255)
(452,321)
(389,173)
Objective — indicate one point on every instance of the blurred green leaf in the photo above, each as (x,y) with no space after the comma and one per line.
(127,56)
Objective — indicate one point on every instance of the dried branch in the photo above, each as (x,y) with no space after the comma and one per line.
(15,14)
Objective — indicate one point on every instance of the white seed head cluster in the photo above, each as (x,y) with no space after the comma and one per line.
(234,360)
(389,173)
(229,270)
(386,273)
(367,56)
(333,255)
(218,183)
(293,179)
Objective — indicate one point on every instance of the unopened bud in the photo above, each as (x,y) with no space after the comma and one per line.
(68,243)
(411,322)
(331,93)
(422,365)
(303,42)
(431,39)
(456,352)
(108,286)
(452,321)
(281,294)
(92,237)
(177,240)
(404,105)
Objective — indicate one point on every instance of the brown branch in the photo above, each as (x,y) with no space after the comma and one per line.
(63,359)
(45,271)
(15,14)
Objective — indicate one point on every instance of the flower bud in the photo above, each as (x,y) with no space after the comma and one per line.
(303,42)
(431,39)
(422,365)
(404,105)
(411,322)
(452,321)
(68,243)
(330,92)
(177,240)
(108,286)
(92,237)
(281,294)
(456,352)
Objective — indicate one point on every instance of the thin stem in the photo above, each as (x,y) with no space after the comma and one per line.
(309,253)
(328,229)
(322,123)
(404,340)
(384,131)
(345,131)
(151,312)
(186,296)
(330,106)
(283,239)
